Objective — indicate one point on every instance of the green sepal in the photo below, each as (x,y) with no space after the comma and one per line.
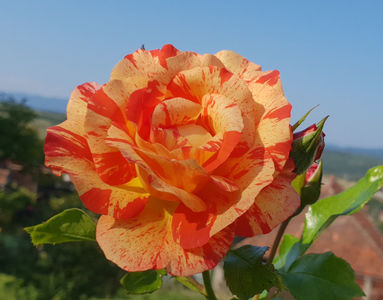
(301,120)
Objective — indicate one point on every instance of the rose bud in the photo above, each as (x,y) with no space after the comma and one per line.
(307,146)
(313,180)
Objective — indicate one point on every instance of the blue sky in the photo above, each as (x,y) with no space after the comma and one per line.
(328,52)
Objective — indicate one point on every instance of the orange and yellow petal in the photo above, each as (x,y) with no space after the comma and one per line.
(78,102)
(251,173)
(162,186)
(65,150)
(274,204)
(266,88)
(105,108)
(68,152)
(153,227)
(273,128)
(200,82)
(192,229)
(175,111)
(239,65)
(122,202)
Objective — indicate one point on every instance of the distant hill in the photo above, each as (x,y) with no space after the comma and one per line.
(348,165)
(38,102)
(373,152)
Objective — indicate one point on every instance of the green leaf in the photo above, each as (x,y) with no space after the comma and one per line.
(296,125)
(72,225)
(321,277)
(246,274)
(289,250)
(321,214)
(192,284)
(142,282)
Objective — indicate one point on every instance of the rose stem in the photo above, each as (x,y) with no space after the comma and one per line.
(208,287)
(277,240)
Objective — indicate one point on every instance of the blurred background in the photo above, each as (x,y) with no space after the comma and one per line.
(328,53)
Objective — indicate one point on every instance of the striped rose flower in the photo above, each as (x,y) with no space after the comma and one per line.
(178,153)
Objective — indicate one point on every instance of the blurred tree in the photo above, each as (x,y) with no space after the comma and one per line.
(72,271)
(19,141)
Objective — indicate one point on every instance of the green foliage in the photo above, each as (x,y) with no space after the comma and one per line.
(289,251)
(321,277)
(19,142)
(68,271)
(13,202)
(325,276)
(142,282)
(170,291)
(71,225)
(246,274)
(49,272)
(12,288)
(321,214)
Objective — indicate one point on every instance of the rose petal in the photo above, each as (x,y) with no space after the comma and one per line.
(274,204)
(273,128)
(239,65)
(192,229)
(140,107)
(68,137)
(65,150)
(153,228)
(145,65)
(77,105)
(175,111)
(251,173)
(195,83)
(224,183)
(267,90)
(104,109)
(225,119)
(68,152)
(160,176)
